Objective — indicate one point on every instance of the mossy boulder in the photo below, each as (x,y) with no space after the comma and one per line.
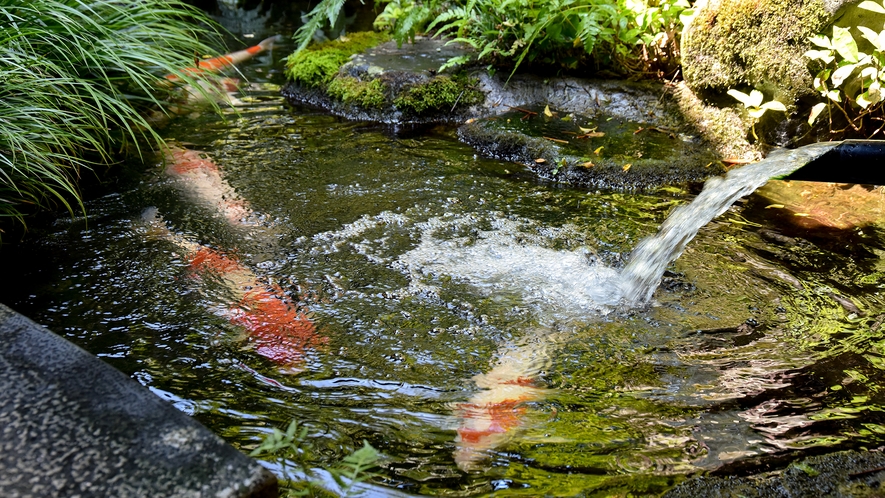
(362,78)
(753,43)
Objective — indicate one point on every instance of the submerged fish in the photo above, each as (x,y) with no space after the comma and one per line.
(495,413)
(216,64)
(276,327)
(201,180)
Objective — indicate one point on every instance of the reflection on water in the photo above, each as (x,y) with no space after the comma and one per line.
(459,312)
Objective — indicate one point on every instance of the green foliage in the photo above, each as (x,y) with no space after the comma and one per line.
(326,10)
(850,81)
(292,450)
(369,94)
(405,18)
(76,74)
(315,66)
(439,94)
(753,102)
(627,36)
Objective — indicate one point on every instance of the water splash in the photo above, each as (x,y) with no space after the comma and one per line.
(650,258)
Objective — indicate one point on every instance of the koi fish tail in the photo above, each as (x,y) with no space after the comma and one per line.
(216,64)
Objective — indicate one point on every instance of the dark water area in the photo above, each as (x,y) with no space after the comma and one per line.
(453,311)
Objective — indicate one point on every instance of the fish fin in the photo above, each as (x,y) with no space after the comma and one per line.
(267,43)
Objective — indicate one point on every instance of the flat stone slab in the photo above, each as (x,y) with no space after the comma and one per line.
(73,426)
(592,151)
(424,55)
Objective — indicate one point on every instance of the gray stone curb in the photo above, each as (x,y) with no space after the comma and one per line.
(73,426)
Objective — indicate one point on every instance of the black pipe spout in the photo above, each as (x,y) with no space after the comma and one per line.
(851,161)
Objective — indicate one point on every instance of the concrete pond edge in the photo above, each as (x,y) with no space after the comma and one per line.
(72,425)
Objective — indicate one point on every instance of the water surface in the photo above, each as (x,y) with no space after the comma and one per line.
(461,312)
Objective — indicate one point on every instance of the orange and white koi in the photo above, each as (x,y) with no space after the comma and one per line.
(492,416)
(278,329)
(203,182)
(217,64)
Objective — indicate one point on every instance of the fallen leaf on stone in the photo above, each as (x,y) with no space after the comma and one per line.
(592,134)
(587,130)
(540,160)
(471,120)
(774,206)
(558,140)
(547,111)
(627,166)
(588,164)
(801,214)
(598,150)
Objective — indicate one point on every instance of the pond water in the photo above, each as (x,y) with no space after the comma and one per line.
(451,311)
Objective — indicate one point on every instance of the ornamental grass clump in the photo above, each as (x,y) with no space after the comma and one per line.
(77,76)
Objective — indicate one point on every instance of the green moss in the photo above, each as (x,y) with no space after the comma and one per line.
(442,93)
(368,94)
(316,65)
(752,42)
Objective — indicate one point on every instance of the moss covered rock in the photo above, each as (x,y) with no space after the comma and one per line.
(753,43)
(362,78)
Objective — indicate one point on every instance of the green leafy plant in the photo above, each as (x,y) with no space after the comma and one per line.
(635,37)
(405,18)
(292,450)
(626,36)
(850,81)
(754,105)
(77,75)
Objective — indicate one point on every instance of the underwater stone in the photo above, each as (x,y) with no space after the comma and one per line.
(839,475)
(74,426)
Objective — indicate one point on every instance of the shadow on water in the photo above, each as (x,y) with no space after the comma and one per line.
(460,311)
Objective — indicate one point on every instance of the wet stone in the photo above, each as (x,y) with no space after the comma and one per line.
(71,425)
(843,474)
(599,151)
(409,88)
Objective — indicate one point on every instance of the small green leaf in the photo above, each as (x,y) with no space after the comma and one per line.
(774,105)
(755,112)
(844,43)
(752,100)
(872,7)
(821,41)
(808,469)
(815,112)
(875,38)
(842,73)
(864,100)
(821,55)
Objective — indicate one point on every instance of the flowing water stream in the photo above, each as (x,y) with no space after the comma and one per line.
(650,258)
(392,286)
